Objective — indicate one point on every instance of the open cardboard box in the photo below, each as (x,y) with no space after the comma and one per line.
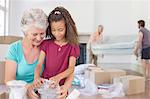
(2,72)
(2,95)
(9,39)
(4,44)
(99,76)
(133,84)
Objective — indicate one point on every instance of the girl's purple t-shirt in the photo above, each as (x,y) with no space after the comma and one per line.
(57,57)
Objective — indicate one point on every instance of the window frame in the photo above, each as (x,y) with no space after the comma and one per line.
(5,9)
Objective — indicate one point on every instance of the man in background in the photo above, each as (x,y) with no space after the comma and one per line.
(143,43)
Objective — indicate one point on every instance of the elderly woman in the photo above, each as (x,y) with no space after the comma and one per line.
(22,56)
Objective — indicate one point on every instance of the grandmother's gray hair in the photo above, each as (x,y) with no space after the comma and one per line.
(34,16)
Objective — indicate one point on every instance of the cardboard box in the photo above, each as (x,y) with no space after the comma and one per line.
(2,95)
(99,76)
(5,40)
(91,68)
(9,39)
(132,84)
(2,72)
(115,73)
(6,95)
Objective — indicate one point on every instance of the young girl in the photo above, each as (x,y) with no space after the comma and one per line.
(60,52)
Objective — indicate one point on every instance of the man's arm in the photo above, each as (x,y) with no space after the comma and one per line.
(138,43)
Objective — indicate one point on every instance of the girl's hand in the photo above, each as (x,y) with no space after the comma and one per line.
(30,92)
(55,81)
(62,93)
(38,82)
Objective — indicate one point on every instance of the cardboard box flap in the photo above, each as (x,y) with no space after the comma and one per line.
(9,39)
(2,72)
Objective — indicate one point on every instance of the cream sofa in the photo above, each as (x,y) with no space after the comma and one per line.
(117,52)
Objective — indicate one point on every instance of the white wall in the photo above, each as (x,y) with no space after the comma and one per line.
(119,17)
(81,11)
(3,51)
(149,13)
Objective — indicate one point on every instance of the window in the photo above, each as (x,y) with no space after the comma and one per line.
(3,17)
(2,2)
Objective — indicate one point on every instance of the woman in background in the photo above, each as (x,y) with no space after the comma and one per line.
(94,38)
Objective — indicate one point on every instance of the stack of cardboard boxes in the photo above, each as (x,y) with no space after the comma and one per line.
(5,40)
(135,84)
(2,76)
(2,96)
(100,76)
(2,72)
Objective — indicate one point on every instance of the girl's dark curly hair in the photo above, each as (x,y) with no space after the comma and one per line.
(58,14)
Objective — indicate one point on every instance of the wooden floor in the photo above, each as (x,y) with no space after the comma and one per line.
(145,95)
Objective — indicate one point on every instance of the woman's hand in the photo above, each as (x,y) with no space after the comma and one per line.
(62,93)
(55,81)
(30,92)
(38,82)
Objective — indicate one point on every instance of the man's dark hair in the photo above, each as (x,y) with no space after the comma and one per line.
(141,23)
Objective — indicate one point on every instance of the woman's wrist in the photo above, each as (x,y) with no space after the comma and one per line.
(67,86)
(27,86)
(36,77)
